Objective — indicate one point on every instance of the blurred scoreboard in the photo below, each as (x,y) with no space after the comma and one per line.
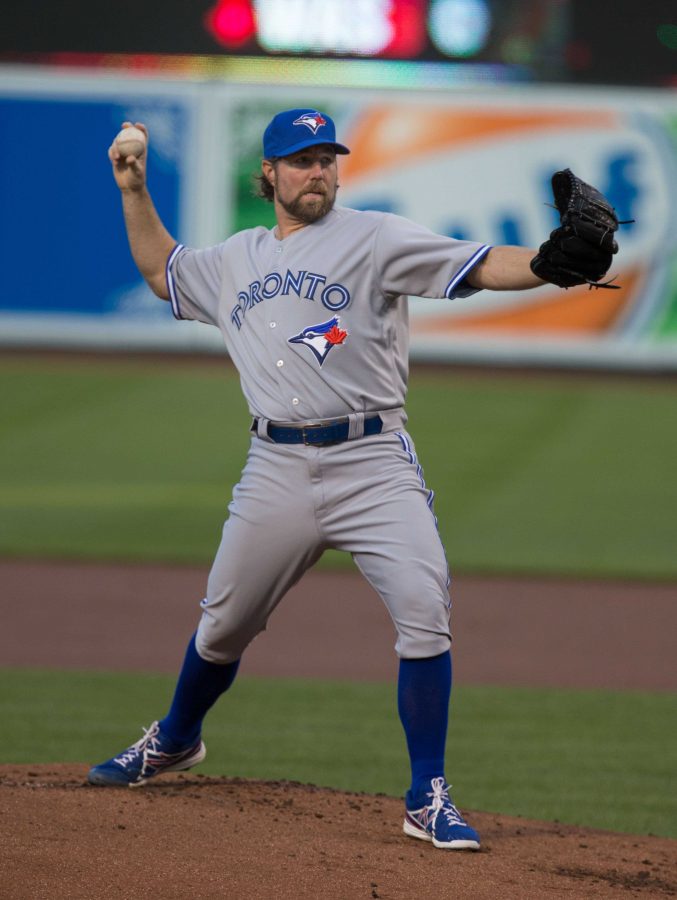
(624,42)
(510,31)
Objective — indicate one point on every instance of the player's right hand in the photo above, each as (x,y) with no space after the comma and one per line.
(129,172)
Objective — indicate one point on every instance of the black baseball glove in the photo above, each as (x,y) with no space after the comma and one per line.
(581,249)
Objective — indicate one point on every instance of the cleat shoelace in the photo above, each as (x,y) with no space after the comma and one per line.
(441,803)
(148,741)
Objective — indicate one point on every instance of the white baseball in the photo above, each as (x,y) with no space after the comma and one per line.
(130,142)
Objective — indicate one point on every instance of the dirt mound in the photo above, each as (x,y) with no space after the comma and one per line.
(191,836)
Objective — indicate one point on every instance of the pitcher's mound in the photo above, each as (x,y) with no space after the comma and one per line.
(192,836)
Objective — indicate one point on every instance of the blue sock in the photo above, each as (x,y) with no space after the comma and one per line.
(423,691)
(200,685)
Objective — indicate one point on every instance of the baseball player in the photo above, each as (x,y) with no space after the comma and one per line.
(314,315)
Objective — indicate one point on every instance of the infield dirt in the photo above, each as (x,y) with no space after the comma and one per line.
(193,837)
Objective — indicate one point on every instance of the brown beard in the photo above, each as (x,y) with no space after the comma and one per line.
(308,213)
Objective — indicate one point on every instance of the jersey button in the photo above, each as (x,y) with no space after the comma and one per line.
(273,324)
(280,363)
(295,401)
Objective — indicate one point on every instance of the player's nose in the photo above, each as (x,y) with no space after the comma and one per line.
(316,170)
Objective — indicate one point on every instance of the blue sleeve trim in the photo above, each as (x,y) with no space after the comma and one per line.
(460,275)
(171,286)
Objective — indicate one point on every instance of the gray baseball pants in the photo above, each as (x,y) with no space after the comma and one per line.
(366,497)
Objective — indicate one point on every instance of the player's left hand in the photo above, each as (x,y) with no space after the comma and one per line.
(581,250)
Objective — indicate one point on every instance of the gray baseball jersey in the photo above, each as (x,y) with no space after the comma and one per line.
(317,326)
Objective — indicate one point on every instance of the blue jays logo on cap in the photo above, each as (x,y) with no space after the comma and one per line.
(321,338)
(314,121)
(296,129)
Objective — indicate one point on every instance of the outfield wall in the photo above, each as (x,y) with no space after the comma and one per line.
(470,162)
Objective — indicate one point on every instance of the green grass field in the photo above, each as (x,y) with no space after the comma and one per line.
(594,758)
(136,460)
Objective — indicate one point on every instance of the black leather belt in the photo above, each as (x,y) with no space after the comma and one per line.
(332,433)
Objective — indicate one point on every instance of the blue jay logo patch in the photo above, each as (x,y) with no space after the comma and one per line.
(321,338)
(314,121)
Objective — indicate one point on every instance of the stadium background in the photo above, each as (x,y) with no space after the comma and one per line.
(546,425)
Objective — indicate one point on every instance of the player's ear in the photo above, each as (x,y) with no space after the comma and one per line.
(268,170)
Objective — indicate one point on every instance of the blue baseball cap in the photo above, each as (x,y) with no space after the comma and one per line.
(296,129)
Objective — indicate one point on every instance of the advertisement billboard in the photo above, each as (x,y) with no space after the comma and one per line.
(473,164)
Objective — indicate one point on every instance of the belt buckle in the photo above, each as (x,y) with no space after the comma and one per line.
(305,428)
(313,425)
